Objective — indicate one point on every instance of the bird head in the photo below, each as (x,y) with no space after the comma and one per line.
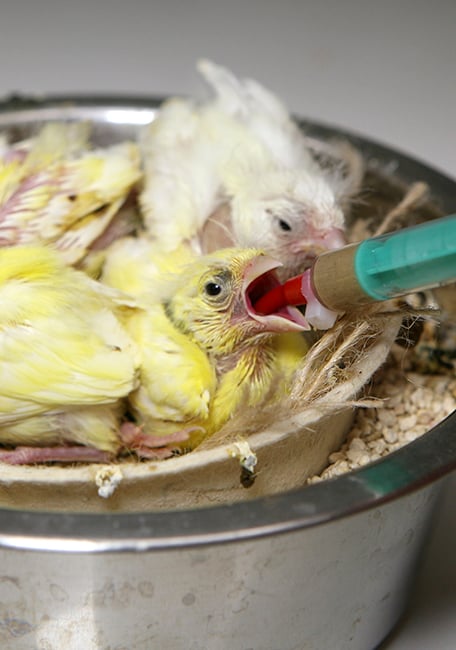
(293,216)
(214,303)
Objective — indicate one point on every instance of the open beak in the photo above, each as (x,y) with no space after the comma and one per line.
(259,278)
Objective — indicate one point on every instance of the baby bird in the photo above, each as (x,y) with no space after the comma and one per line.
(66,361)
(55,189)
(237,170)
(206,352)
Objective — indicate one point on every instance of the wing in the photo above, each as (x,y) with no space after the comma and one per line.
(54,189)
(60,347)
(260,111)
(177,379)
(180,180)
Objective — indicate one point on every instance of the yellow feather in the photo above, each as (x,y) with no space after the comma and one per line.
(138,266)
(63,350)
(203,356)
(177,379)
(54,189)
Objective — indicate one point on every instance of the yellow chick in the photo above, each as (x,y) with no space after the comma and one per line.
(55,189)
(138,266)
(237,170)
(66,362)
(206,352)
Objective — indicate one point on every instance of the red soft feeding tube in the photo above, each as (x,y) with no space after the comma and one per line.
(284,295)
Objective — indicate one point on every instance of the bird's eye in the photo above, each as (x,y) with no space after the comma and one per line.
(216,287)
(213,288)
(284,225)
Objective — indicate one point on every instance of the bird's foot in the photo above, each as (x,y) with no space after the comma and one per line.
(76,453)
(151,446)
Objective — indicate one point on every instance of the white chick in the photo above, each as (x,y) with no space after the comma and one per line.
(237,170)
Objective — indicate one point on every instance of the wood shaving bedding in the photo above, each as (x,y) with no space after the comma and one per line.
(411,404)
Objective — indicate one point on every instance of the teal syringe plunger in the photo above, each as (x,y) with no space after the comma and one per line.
(376,269)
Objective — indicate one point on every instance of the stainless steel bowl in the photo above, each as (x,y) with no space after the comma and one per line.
(324,567)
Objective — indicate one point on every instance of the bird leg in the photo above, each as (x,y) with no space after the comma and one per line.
(150,446)
(76,453)
(131,435)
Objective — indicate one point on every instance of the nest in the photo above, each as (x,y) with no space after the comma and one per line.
(273,449)
(329,378)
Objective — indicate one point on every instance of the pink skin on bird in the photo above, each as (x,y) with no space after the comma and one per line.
(323,239)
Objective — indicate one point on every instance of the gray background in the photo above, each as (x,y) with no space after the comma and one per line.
(385,69)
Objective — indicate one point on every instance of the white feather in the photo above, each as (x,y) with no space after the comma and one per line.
(240,148)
